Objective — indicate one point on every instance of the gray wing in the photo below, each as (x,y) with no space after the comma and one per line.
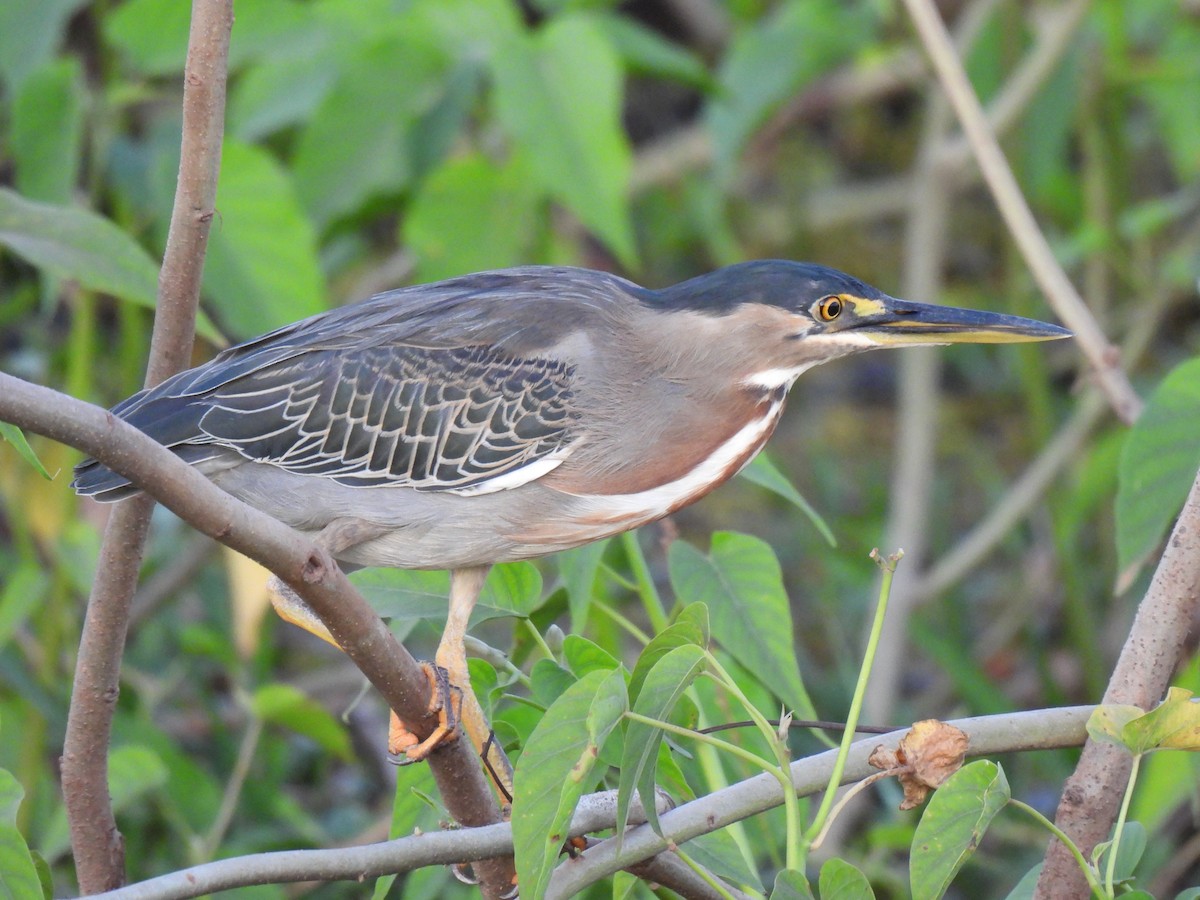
(431,419)
(446,386)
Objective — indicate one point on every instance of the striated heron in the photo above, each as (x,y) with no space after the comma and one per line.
(506,415)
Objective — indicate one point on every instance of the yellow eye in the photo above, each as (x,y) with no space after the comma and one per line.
(829,309)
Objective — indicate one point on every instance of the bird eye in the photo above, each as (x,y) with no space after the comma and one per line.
(829,309)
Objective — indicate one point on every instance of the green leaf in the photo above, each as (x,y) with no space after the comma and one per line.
(30,31)
(357,144)
(1027,886)
(548,681)
(763,472)
(18,876)
(1107,722)
(685,631)
(842,881)
(716,851)
(558,93)
(1129,853)
(663,686)
(471,215)
(1157,467)
(951,827)
(556,768)
(1192,893)
(16,437)
(578,569)
(1172,725)
(768,62)
(291,708)
(512,589)
(262,267)
(646,52)
(72,243)
(791,885)
(47,131)
(741,584)
(583,656)
(151,35)
(23,592)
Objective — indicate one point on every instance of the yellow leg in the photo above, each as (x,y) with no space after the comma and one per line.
(451,657)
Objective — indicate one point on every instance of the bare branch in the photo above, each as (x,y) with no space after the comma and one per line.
(98,845)
(1037,730)
(1151,653)
(1041,730)
(305,567)
(1060,292)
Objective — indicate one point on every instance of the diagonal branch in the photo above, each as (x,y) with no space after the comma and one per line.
(98,845)
(305,567)
(1103,357)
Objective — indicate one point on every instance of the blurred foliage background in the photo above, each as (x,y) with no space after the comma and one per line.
(374,143)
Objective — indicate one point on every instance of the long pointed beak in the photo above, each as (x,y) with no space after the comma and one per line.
(901,322)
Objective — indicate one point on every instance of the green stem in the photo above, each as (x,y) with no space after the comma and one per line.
(637,633)
(651,601)
(753,758)
(1111,868)
(539,640)
(888,568)
(794,854)
(708,877)
(1088,872)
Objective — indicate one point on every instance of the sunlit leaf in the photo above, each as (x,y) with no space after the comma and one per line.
(741,584)
(1172,725)
(1158,464)
(952,825)
(558,93)
(556,768)
(1107,722)
(583,656)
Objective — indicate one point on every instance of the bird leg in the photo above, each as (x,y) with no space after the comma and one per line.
(450,664)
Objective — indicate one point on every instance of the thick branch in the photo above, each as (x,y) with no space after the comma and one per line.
(305,567)
(98,845)
(1150,656)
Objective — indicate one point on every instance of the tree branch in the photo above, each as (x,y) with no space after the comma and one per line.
(305,567)
(95,839)
(1060,292)
(1040,730)
(1151,653)
(1037,730)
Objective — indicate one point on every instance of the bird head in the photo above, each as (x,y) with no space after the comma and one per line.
(803,314)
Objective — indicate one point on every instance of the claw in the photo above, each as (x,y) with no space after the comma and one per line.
(445,699)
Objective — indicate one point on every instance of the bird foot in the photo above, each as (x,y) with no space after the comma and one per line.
(445,699)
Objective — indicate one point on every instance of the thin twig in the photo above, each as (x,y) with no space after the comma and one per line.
(98,845)
(1059,291)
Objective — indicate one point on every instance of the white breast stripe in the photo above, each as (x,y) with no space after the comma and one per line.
(776,378)
(656,502)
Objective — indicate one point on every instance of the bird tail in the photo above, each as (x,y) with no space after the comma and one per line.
(94,479)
